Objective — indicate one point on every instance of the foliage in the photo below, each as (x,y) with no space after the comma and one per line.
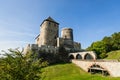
(63,55)
(106,45)
(113,55)
(71,72)
(103,55)
(16,66)
(53,58)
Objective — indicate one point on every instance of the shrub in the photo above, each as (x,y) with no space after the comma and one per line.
(16,66)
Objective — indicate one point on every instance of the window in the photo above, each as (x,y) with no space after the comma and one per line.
(65,37)
(55,25)
(55,37)
(37,39)
(49,23)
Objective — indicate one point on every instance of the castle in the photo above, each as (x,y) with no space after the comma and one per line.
(49,41)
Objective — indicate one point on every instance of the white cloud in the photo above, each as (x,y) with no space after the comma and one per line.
(15,33)
(5,45)
(15,25)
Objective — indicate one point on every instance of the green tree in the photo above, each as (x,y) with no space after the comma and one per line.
(16,66)
(106,45)
(99,47)
(116,41)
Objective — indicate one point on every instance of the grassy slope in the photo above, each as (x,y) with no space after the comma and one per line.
(113,55)
(71,72)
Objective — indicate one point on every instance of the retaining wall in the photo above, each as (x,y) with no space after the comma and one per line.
(113,67)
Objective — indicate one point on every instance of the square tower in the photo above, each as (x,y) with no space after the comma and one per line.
(49,30)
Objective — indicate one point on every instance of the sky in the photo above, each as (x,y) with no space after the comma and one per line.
(91,20)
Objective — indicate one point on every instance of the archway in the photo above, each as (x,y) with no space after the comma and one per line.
(88,56)
(71,57)
(78,56)
(95,68)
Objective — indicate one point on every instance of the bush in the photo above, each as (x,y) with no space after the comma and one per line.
(103,55)
(16,66)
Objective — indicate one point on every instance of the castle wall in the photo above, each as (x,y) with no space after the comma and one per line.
(37,40)
(26,49)
(60,42)
(68,43)
(30,47)
(42,48)
(112,67)
(48,49)
(77,46)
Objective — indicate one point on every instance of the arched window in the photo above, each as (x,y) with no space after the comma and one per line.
(78,56)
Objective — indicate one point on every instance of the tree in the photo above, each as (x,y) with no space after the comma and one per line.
(106,45)
(116,41)
(16,66)
(98,47)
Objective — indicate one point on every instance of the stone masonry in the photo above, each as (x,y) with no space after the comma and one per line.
(112,67)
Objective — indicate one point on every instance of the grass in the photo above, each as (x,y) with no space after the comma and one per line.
(113,55)
(70,71)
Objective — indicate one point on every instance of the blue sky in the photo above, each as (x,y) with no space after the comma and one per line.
(91,20)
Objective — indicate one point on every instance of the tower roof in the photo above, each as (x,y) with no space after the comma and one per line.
(51,20)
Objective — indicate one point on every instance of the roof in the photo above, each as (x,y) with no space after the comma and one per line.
(50,19)
(67,28)
(37,36)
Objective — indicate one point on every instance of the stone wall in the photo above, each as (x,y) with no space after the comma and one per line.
(60,42)
(77,46)
(48,49)
(112,67)
(43,48)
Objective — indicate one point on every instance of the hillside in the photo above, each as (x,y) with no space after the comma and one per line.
(113,55)
(71,72)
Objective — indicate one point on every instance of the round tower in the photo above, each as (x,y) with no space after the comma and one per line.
(67,33)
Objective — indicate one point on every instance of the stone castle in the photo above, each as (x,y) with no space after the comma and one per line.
(49,41)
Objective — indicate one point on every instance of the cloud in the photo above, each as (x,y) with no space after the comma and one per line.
(16,33)
(13,35)
(5,45)
(15,25)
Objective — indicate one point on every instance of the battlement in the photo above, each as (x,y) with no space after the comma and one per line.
(67,28)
